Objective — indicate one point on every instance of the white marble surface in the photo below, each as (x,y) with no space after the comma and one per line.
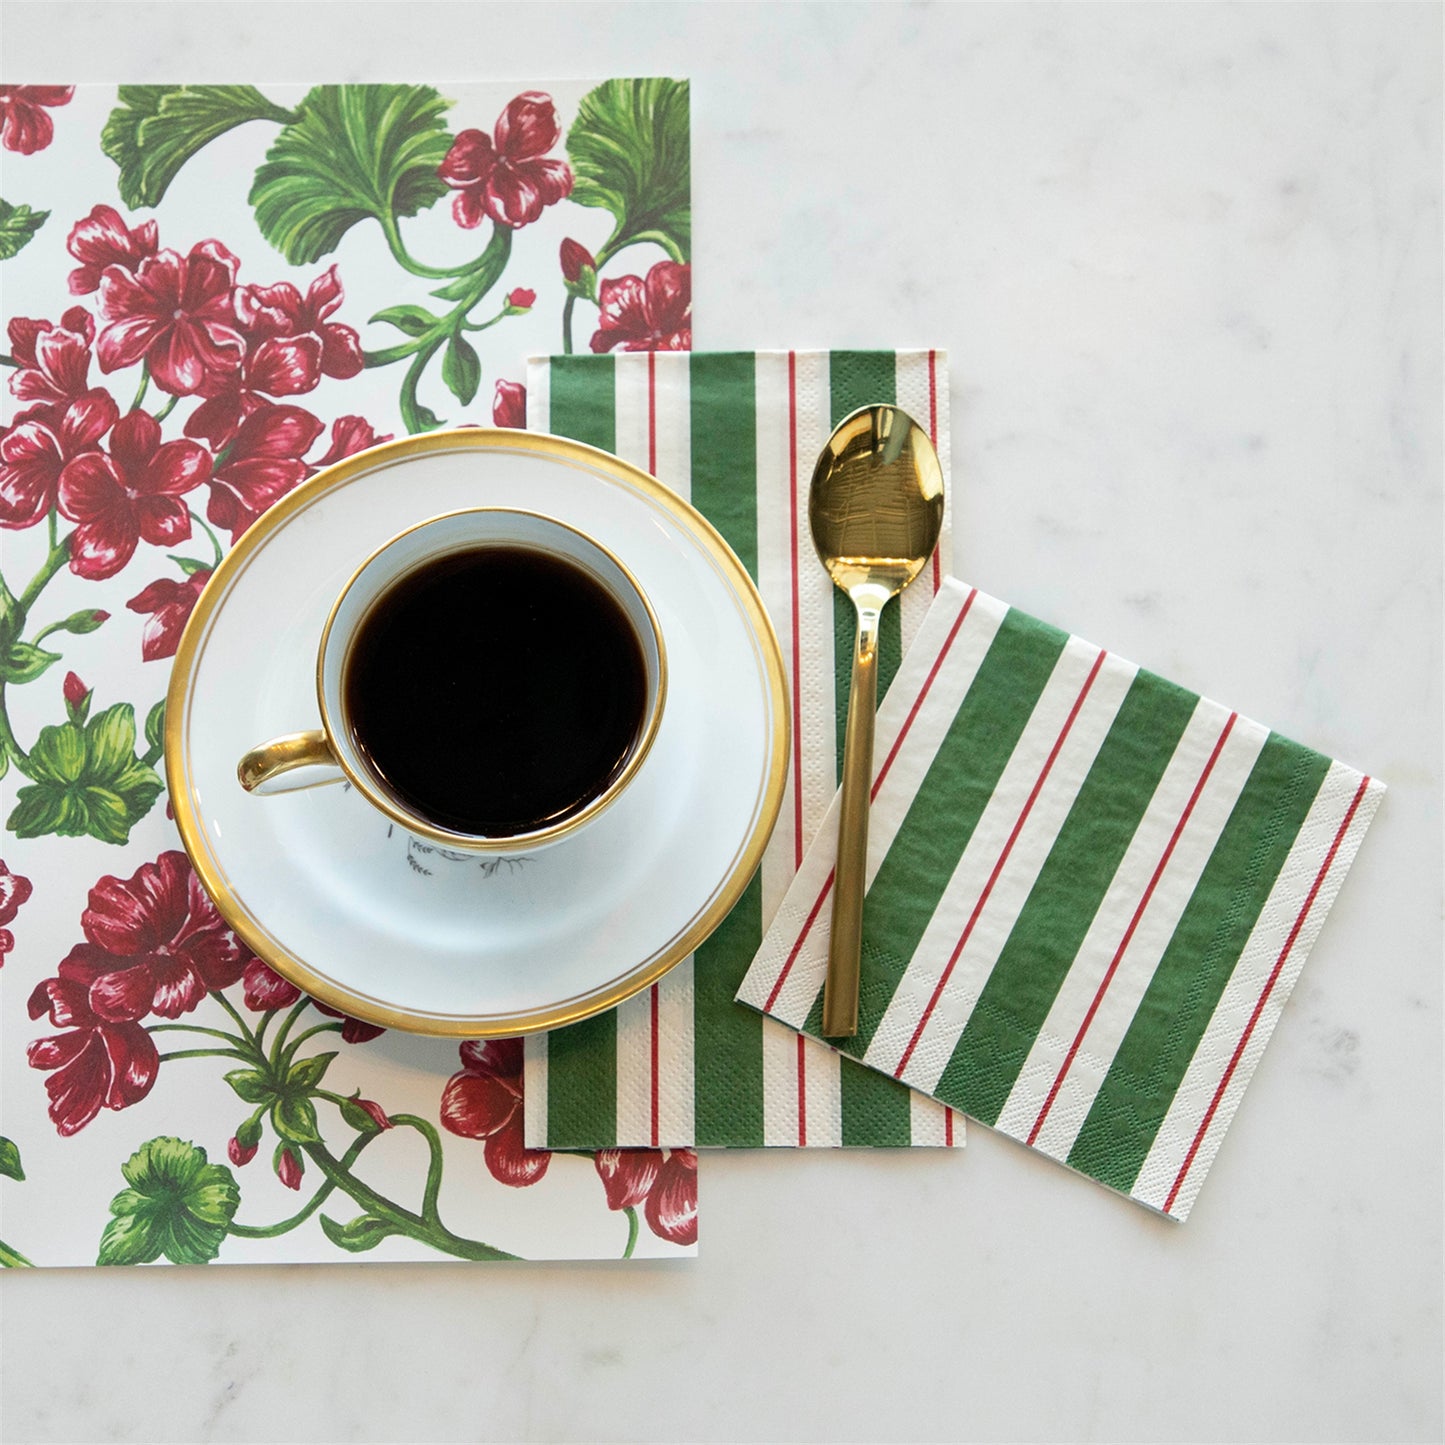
(1187,263)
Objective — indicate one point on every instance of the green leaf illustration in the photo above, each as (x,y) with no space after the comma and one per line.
(10,1159)
(178,1205)
(17,225)
(24,662)
(156,129)
(307,1073)
(251,1087)
(88,781)
(364,1232)
(355,151)
(461,369)
(413,320)
(294,1119)
(156,725)
(630,152)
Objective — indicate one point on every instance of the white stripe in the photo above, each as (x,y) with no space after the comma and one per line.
(634,1071)
(676,1064)
(1241,994)
(673,421)
(928,1122)
(911,389)
(629,407)
(534,1091)
(780,1084)
(823,1094)
(539,394)
(1020,871)
(1151,935)
(907,771)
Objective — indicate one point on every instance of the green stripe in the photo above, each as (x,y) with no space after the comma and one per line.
(584,1114)
(876,1110)
(860,378)
(1020,990)
(1181,998)
(728,1098)
(724,448)
(728,1093)
(583,402)
(965,771)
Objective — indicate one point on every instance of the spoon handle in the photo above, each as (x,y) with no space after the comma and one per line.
(840,985)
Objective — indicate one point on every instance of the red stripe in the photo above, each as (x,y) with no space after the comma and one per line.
(933,437)
(797,640)
(1263,998)
(652,412)
(923,692)
(827,888)
(655,1070)
(802,1094)
(948,1127)
(998,866)
(1129,932)
(797,947)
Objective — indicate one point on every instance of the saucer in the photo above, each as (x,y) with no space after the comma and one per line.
(403,933)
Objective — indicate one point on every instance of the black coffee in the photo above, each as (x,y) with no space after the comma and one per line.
(496,690)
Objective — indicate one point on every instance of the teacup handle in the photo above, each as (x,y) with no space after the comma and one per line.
(261,770)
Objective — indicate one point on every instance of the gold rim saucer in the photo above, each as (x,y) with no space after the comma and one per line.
(388,1014)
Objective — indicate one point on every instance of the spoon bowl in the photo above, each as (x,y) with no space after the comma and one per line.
(875,509)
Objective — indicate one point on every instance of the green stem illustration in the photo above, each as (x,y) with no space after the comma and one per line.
(285,1226)
(19,609)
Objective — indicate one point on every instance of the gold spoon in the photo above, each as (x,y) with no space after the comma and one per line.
(875,508)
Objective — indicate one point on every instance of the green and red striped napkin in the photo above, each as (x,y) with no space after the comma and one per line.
(737,434)
(1090,893)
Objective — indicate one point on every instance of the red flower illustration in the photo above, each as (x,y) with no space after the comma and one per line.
(509,405)
(264,988)
(176,314)
(281,310)
(290,346)
(664,1183)
(154,942)
(54,361)
(575,258)
(289,1167)
(520,299)
(169,604)
(272,367)
(95,1064)
(74,691)
(36,450)
(505,175)
(14,890)
(24,125)
(651,315)
(103,239)
(262,464)
(239,1153)
(131,494)
(349,435)
(484,1101)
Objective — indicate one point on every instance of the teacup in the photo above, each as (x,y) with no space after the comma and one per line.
(489,679)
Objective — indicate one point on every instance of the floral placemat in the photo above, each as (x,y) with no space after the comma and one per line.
(210,292)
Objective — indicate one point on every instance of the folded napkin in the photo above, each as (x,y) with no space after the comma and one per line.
(1089,895)
(738,434)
